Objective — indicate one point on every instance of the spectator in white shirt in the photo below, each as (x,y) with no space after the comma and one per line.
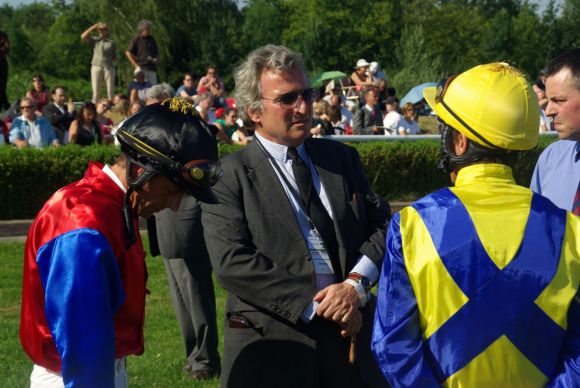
(392,118)
(408,125)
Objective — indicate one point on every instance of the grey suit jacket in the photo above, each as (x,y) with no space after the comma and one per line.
(364,121)
(180,233)
(260,256)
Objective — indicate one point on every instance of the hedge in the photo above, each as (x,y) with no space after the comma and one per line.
(397,171)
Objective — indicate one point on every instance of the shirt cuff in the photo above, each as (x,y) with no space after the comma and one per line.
(309,312)
(367,268)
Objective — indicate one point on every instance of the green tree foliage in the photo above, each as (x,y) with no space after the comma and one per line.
(414,40)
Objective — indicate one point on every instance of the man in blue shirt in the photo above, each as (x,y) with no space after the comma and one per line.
(30,130)
(187,89)
(557,173)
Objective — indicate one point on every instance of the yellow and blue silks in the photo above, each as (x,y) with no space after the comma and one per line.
(479,288)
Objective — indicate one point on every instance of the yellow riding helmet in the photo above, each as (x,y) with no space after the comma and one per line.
(492,104)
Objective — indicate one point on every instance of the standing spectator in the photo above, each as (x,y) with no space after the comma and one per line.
(104,55)
(187,90)
(4,50)
(212,83)
(557,173)
(38,93)
(103,106)
(84,286)
(31,130)
(86,130)
(142,51)
(407,124)
(59,114)
(294,224)
(369,119)
(137,88)
(392,118)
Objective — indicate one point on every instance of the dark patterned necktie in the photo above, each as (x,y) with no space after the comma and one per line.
(315,209)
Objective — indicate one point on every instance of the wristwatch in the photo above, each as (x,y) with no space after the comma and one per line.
(362,285)
(362,280)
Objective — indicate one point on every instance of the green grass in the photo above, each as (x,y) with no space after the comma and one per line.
(159,366)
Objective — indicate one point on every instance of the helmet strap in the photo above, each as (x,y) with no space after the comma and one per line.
(475,152)
(133,185)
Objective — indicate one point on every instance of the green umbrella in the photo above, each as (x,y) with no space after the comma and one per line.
(318,80)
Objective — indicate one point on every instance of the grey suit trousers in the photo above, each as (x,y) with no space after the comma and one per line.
(189,273)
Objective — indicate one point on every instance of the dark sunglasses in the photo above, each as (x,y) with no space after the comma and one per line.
(26,107)
(290,99)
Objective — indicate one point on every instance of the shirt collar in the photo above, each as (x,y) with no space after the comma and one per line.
(485,172)
(279,152)
(577,151)
(107,170)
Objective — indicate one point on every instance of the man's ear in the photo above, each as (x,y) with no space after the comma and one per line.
(460,143)
(255,115)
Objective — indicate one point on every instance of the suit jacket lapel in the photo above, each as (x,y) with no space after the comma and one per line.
(262,174)
(334,187)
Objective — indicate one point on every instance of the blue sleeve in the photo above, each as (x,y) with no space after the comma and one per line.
(570,375)
(535,184)
(397,342)
(16,131)
(83,290)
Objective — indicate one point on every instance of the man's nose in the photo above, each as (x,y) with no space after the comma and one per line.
(550,109)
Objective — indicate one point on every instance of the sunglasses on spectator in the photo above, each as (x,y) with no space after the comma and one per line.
(37,80)
(291,98)
(26,107)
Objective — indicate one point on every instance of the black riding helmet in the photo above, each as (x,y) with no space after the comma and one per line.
(169,139)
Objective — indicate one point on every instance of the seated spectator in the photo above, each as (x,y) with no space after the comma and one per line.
(320,123)
(135,107)
(85,130)
(106,123)
(158,93)
(59,114)
(204,104)
(120,109)
(361,76)
(335,118)
(369,119)
(408,125)
(187,90)
(346,114)
(229,130)
(138,87)
(392,118)
(31,130)
(38,93)
(212,83)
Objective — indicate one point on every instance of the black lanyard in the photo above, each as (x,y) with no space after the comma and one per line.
(293,192)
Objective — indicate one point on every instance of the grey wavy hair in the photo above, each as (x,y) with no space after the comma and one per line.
(143,24)
(159,92)
(248,93)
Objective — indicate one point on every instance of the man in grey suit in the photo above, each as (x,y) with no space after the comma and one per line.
(296,238)
(181,242)
(369,119)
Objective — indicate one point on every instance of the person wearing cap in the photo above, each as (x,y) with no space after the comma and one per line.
(392,118)
(143,53)
(361,75)
(103,62)
(557,173)
(83,298)
(296,238)
(479,285)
